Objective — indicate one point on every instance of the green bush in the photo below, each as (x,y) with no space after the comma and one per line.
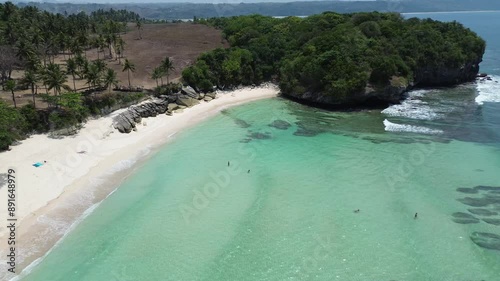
(13,125)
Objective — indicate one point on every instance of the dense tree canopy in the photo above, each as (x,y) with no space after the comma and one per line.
(30,42)
(335,54)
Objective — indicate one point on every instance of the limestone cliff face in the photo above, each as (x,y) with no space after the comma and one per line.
(394,92)
(370,96)
(447,76)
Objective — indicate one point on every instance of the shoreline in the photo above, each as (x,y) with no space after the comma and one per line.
(54,198)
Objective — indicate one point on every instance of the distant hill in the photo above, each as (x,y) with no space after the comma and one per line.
(171,11)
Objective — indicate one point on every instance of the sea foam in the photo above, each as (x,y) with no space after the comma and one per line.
(393,127)
(489,90)
(413,108)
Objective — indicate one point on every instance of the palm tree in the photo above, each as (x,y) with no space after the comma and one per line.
(128,66)
(99,43)
(138,24)
(167,65)
(93,75)
(110,40)
(72,69)
(31,78)
(157,74)
(55,78)
(81,64)
(119,47)
(25,50)
(110,79)
(10,85)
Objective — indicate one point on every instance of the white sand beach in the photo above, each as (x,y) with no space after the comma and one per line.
(54,196)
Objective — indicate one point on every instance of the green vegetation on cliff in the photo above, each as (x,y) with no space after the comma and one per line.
(336,55)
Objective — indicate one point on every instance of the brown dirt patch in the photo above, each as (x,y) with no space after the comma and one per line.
(182,42)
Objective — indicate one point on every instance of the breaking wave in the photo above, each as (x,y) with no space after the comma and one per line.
(413,108)
(489,90)
(393,127)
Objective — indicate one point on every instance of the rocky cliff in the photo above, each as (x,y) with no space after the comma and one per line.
(447,76)
(394,92)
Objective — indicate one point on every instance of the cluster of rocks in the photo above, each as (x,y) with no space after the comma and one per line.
(279,125)
(121,88)
(486,203)
(126,121)
(484,77)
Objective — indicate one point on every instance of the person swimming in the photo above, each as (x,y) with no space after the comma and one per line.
(416,215)
(228,163)
(356,211)
(248,172)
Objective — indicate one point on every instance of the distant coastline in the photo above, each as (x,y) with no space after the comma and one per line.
(451,12)
(175,11)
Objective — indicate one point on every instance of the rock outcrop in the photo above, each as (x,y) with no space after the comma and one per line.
(187,101)
(370,96)
(190,92)
(126,121)
(447,76)
(394,92)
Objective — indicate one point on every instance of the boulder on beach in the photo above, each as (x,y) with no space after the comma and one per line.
(125,122)
(171,107)
(187,101)
(212,95)
(190,92)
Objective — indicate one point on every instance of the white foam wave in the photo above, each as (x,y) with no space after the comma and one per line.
(413,108)
(489,91)
(393,127)
(64,228)
(128,163)
(67,230)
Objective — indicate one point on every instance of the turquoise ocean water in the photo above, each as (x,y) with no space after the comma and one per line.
(284,208)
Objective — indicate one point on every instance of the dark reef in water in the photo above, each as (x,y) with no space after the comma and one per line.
(464,218)
(467,190)
(259,136)
(304,132)
(241,123)
(486,240)
(280,124)
(482,212)
(492,221)
(489,201)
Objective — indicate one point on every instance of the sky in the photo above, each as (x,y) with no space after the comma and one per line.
(169,1)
